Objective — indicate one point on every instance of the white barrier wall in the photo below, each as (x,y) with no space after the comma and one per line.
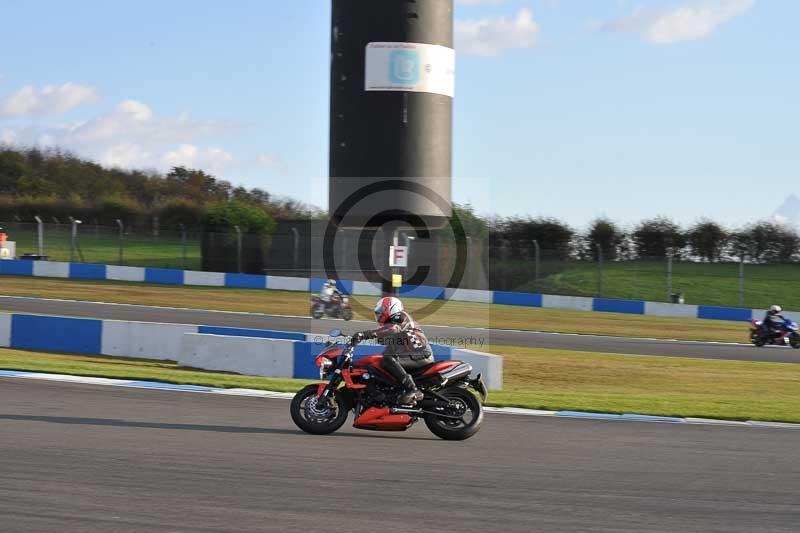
(469,295)
(491,366)
(143,339)
(244,355)
(366,288)
(48,269)
(282,283)
(670,310)
(5,330)
(578,303)
(123,273)
(208,279)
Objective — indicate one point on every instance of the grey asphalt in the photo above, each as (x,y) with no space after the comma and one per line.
(476,339)
(87,458)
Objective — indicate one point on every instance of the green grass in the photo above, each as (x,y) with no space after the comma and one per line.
(534,378)
(701,283)
(450,314)
(102,246)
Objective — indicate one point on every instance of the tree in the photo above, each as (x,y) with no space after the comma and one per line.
(707,239)
(657,237)
(551,234)
(766,241)
(607,236)
(224,216)
(474,226)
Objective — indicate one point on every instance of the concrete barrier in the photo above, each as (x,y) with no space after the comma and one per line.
(207,279)
(145,340)
(244,355)
(243,350)
(5,330)
(489,365)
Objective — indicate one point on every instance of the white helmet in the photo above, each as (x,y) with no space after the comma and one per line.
(386,308)
(331,283)
(775,309)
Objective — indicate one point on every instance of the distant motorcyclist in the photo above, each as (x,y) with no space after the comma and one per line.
(406,347)
(773,321)
(329,293)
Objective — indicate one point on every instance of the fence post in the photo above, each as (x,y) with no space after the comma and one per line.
(741,281)
(121,227)
(183,245)
(40,232)
(599,268)
(536,259)
(238,249)
(669,275)
(469,263)
(295,247)
(74,241)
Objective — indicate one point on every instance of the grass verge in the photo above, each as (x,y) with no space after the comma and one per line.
(534,378)
(452,313)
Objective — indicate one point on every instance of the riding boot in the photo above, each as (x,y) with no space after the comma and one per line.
(411,393)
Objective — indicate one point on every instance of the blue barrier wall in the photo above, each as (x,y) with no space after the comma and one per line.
(608,305)
(177,277)
(56,334)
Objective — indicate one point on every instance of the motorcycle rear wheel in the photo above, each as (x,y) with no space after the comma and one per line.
(316,311)
(318,419)
(463,403)
(794,341)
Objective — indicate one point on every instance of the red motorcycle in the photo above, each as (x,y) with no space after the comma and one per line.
(450,410)
(787,334)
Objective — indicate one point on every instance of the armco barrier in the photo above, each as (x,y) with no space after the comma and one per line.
(243,350)
(216,279)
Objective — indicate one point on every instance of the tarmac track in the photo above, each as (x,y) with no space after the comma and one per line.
(90,458)
(477,339)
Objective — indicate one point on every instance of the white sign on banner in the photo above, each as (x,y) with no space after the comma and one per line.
(411,67)
(398,256)
(8,250)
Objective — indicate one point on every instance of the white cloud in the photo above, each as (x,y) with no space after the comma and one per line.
(490,36)
(688,22)
(132,135)
(48,100)
(271,161)
(214,160)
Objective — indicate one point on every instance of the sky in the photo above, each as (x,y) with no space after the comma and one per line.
(565,108)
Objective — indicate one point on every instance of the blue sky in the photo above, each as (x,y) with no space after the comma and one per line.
(563,107)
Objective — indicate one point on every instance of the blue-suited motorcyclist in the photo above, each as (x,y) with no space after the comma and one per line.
(773,321)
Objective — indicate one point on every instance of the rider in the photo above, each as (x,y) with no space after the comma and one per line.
(328,291)
(773,321)
(406,347)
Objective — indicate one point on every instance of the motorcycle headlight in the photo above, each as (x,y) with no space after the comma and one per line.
(324,367)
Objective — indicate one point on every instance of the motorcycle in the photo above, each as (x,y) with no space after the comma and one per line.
(788,334)
(338,307)
(450,410)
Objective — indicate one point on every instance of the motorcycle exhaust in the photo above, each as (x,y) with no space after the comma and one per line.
(461,371)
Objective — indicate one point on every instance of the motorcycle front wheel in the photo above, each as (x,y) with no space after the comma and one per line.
(347,313)
(316,416)
(464,405)
(794,341)
(757,339)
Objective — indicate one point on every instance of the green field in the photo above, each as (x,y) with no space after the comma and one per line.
(102,246)
(534,378)
(701,283)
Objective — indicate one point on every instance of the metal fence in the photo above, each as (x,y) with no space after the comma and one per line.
(303,250)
